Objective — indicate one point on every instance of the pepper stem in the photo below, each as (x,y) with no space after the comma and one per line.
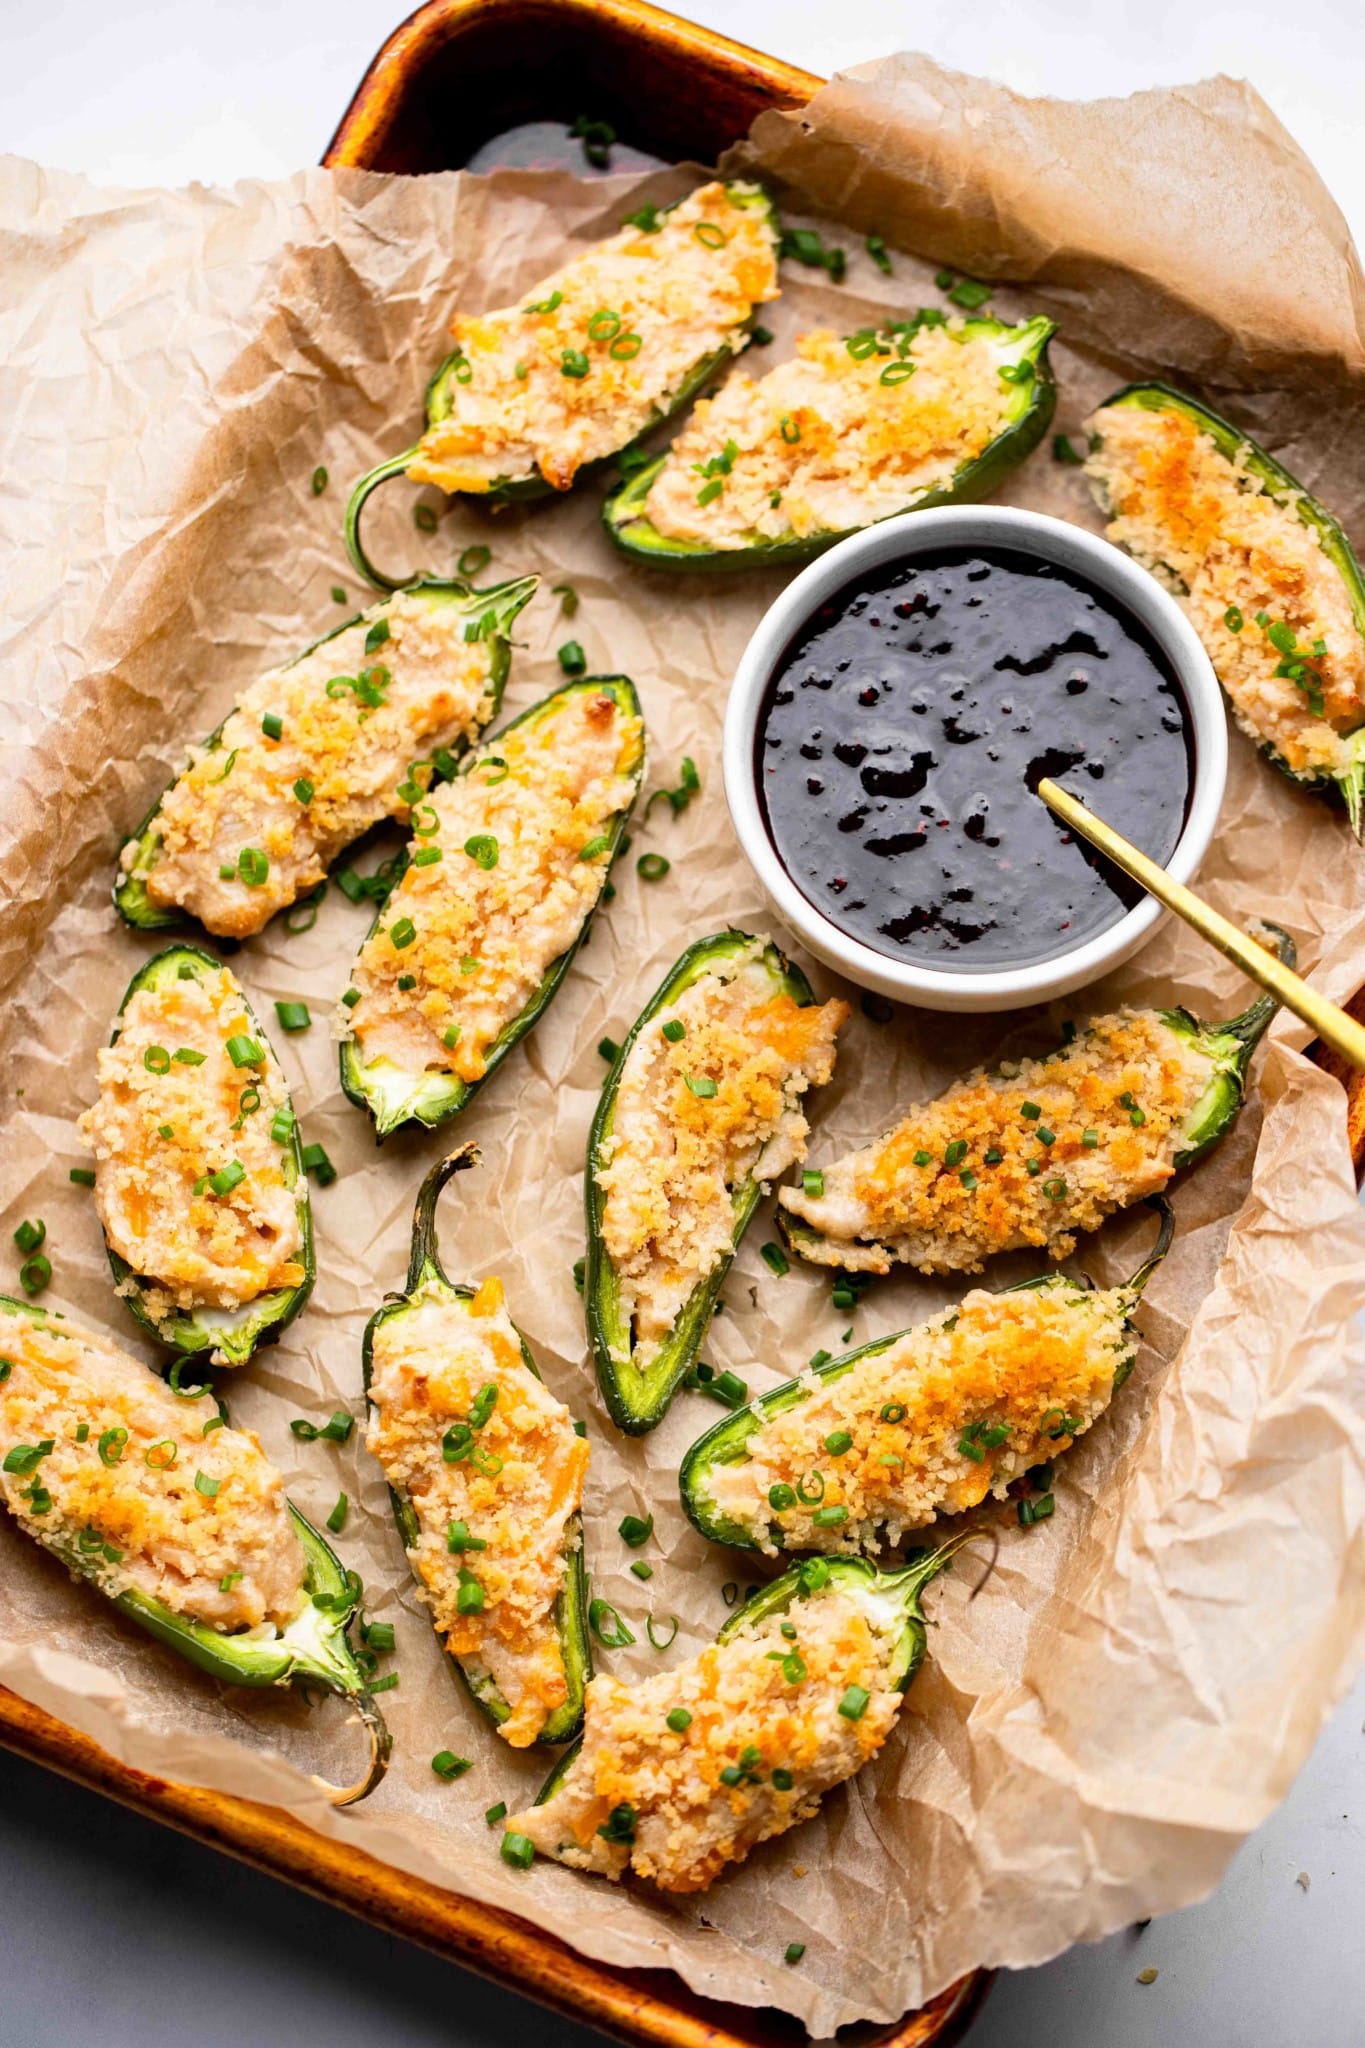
(1163,1209)
(381,1748)
(908,1584)
(424,1262)
(1250,1027)
(395,466)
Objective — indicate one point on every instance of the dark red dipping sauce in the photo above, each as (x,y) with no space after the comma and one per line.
(904,733)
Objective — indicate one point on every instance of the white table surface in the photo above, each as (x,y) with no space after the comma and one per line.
(119,1932)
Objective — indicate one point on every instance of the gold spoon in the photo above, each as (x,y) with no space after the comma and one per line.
(1331,1024)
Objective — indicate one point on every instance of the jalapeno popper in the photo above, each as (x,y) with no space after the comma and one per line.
(178,1519)
(687,1772)
(1265,573)
(199,1183)
(930,1421)
(702,1107)
(1035,1150)
(507,865)
(926,411)
(485,1473)
(592,356)
(316,753)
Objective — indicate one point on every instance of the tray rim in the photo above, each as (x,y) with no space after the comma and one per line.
(366,119)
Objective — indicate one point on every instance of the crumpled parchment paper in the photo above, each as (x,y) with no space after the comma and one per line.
(1136,1685)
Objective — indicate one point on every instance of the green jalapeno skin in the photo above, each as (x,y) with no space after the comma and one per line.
(439,405)
(426,1276)
(638,1401)
(1031,412)
(502,601)
(1285,489)
(1228,1049)
(724,1443)
(904,1587)
(312,1650)
(394,1097)
(234,1333)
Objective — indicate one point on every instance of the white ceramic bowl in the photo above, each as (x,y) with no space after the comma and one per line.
(894,540)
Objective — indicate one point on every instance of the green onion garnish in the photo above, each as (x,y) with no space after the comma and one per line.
(293,1016)
(793,1952)
(83,1176)
(272,725)
(29,1236)
(482,849)
(227,1177)
(700,1085)
(634,1531)
(336,1521)
(252,866)
(319,481)
(208,1487)
(854,1703)
(837,1442)
(447,1765)
(518,1850)
(495,1813)
(674,1030)
(318,1166)
(573,363)
(607,1625)
(678,1719)
(652,867)
(775,1259)
(157,1060)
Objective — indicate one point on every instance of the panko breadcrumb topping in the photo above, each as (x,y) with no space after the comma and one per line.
(520,857)
(313,756)
(685,1773)
(596,352)
(697,1115)
(490,1463)
(825,443)
(1267,602)
(946,1415)
(131,1487)
(1027,1154)
(193,1189)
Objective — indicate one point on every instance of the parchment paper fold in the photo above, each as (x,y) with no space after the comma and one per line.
(1140,1679)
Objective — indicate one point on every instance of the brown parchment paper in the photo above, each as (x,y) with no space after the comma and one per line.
(1140,1679)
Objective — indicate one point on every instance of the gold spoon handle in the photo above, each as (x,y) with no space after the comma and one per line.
(1331,1024)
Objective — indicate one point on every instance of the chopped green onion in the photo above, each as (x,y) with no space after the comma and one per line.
(208,1487)
(29,1236)
(573,363)
(319,481)
(447,1765)
(781,1497)
(1233,620)
(83,1176)
(1090,1139)
(336,1521)
(161,1455)
(1054,1189)
(821,1358)
(293,1016)
(678,1719)
(157,1060)
(188,1057)
(813,1183)
(482,848)
(893,1411)
(402,933)
(652,867)
(568,598)
(1032,1110)
(854,1703)
(775,1259)
(338,594)
(244,1052)
(700,1085)
(923,1158)
(227,1177)
(642,1570)
(318,1166)
(385,1684)
(634,1531)
(876,249)
(496,1813)
(608,1048)
(424,518)
(654,1642)
(518,1850)
(793,1952)
(470,1597)
(26,1458)
(829,1518)
(1063,451)
(470,563)
(607,1625)
(956,1152)
(602,844)
(272,725)
(351,998)
(968,294)
(837,1442)
(252,866)
(674,1030)
(709,235)
(897,373)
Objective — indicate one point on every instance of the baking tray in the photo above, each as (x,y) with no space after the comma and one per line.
(481,82)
